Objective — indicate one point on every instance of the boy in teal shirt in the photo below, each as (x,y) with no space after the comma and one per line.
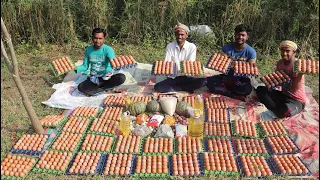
(97,60)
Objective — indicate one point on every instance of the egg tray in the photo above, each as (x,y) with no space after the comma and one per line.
(100,152)
(233,129)
(222,173)
(228,68)
(242,174)
(194,175)
(245,75)
(60,123)
(96,171)
(277,170)
(253,154)
(126,67)
(262,134)
(295,69)
(282,84)
(85,130)
(207,119)
(75,149)
(175,70)
(100,133)
(19,178)
(269,149)
(175,147)
(29,152)
(104,166)
(115,144)
(100,110)
(56,73)
(216,136)
(56,172)
(206,148)
(193,75)
(156,153)
(150,175)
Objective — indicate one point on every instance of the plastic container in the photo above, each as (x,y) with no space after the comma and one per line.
(196,124)
(125,124)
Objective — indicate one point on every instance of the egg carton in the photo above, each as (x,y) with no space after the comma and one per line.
(60,123)
(175,70)
(96,171)
(156,153)
(207,118)
(228,68)
(56,172)
(262,133)
(233,129)
(270,150)
(245,75)
(90,117)
(252,154)
(206,148)
(282,84)
(216,172)
(100,152)
(111,105)
(242,173)
(76,149)
(104,166)
(101,133)
(61,74)
(295,69)
(216,136)
(115,143)
(84,131)
(126,67)
(101,111)
(277,169)
(194,175)
(21,178)
(29,152)
(175,148)
(226,101)
(150,175)
(194,75)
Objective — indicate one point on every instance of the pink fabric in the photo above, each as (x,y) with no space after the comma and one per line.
(300,94)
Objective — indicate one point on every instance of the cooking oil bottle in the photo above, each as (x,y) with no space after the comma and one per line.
(125,121)
(196,124)
(198,104)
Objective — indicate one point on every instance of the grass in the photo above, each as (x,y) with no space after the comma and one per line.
(38,79)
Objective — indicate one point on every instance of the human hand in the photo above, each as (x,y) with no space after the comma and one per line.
(78,63)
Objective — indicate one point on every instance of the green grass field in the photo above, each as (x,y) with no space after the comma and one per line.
(38,79)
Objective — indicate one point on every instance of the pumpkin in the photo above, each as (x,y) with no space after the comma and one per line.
(141,118)
(182,108)
(136,108)
(153,106)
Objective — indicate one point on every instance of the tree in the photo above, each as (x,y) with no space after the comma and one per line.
(13,68)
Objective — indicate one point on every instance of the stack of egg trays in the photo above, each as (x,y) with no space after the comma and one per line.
(206,147)
(274,87)
(60,123)
(56,73)
(100,110)
(216,172)
(115,144)
(175,147)
(252,154)
(110,105)
(100,152)
(228,68)
(195,75)
(262,133)
(277,170)
(156,153)
(101,133)
(207,119)
(126,67)
(194,175)
(217,136)
(295,68)
(104,166)
(233,128)
(242,173)
(91,119)
(29,152)
(175,70)
(21,178)
(270,150)
(56,172)
(96,171)
(150,175)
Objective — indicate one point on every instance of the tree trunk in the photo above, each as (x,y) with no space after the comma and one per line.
(13,68)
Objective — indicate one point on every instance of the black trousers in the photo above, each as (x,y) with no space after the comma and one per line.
(89,88)
(180,83)
(280,104)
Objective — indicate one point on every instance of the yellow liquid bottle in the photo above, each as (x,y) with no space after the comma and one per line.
(198,104)
(125,121)
(196,124)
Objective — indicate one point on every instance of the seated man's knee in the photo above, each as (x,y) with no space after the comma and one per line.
(121,78)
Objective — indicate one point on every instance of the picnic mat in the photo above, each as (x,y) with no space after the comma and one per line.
(303,128)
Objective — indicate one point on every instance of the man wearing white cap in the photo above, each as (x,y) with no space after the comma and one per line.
(177,51)
(291,98)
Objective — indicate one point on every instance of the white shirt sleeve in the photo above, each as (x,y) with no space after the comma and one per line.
(168,54)
(193,53)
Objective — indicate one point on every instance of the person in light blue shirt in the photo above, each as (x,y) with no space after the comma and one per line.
(97,61)
(229,85)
